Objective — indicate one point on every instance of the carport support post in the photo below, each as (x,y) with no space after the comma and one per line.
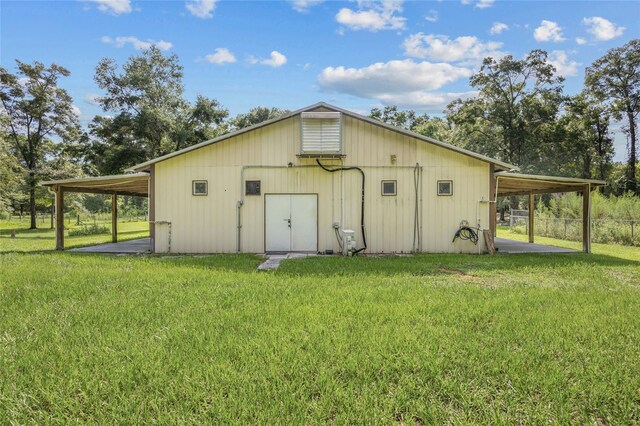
(59,218)
(114,218)
(492,200)
(532,207)
(586,219)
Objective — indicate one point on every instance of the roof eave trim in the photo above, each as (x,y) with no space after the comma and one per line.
(94,179)
(560,179)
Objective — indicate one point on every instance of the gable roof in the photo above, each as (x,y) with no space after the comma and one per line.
(501,164)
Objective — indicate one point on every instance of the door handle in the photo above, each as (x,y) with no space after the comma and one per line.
(288,222)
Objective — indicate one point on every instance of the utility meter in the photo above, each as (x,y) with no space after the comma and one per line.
(348,242)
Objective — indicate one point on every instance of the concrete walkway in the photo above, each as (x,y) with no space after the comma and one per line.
(273,260)
(515,247)
(142,245)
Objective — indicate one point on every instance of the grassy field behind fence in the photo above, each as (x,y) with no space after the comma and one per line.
(426,339)
(44,238)
(608,231)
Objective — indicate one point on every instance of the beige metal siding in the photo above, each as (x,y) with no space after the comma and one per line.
(208,224)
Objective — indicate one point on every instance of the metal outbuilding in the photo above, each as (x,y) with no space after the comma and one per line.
(320,179)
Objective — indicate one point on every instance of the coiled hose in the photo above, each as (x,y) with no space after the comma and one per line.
(465,232)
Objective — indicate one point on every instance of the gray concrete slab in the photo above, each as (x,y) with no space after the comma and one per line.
(273,260)
(142,245)
(513,247)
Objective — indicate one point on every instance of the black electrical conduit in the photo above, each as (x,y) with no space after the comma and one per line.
(337,169)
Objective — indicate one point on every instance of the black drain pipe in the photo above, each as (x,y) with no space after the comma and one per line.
(337,169)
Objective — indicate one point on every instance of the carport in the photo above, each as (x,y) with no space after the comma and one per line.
(510,184)
(134,184)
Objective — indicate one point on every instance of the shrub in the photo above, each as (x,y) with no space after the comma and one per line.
(89,230)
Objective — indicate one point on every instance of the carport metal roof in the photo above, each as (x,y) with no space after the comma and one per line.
(508,183)
(136,184)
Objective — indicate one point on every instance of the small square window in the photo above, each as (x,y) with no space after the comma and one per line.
(388,187)
(445,187)
(199,187)
(252,187)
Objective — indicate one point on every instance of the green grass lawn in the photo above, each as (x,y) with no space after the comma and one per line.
(428,339)
(620,251)
(44,238)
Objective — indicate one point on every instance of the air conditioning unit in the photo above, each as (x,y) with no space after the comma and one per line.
(348,242)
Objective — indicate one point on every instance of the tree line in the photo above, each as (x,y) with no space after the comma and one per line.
(519,115)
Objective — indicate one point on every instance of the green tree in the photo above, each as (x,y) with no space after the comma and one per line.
(35,109)
(615,78)
(146,114)
(255,116)
(586,141)
(423,124)
(513,116)
(11,176)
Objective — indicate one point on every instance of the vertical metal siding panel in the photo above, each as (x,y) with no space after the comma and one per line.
(184,228)
(210,226)
(160,194)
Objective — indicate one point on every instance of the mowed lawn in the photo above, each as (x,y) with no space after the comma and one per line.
(43,238)
(427,339)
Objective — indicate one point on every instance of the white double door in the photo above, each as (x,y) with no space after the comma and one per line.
(291,222)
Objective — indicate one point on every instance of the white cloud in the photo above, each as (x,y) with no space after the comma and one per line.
(136,42)
(92,98)
(483,4)
(498,27)
(401,82)
(304,5)
(76,111)
(201,8)
(431,101)
(564,67)
(432,16)
(581,40)
(276,60)
(113,7)
(465,49)
(548,31)
(222,56)
(373,16)
(480,4)
(23,81)
(602,29)
(162,45)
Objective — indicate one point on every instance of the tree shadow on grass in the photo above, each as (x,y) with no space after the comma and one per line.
(246,263)
(29,235)
(21,231)
(437,264)
(417,265)
(69,242)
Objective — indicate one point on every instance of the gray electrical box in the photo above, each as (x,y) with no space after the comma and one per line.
(252,187)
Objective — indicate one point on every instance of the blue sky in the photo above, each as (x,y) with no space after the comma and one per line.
(356,54)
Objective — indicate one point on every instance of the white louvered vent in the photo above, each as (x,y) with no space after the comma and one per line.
(321,133)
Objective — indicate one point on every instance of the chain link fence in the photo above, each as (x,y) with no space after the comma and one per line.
(607,231)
